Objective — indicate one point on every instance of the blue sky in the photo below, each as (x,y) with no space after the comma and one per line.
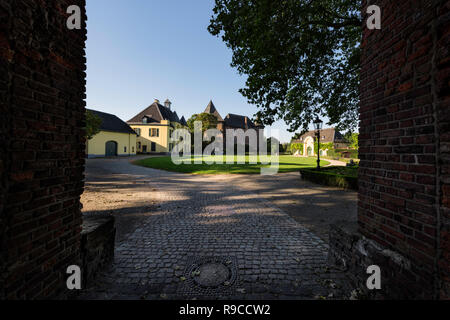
(139,50)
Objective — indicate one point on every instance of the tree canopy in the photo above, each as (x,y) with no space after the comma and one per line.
(208,120)
(301,57)
(93,123)
(352,138)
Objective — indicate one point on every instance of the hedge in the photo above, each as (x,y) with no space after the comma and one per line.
(328,178)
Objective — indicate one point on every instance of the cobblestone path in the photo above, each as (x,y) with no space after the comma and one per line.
(210,219)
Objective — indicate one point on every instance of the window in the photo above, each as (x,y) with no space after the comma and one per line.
(153,147)
(139,145)
(154,132)
(323,137)
(125,149)
(138,131)
(144,120)
(132,149)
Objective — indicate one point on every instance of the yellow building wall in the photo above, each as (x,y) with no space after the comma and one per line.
(161,142)
(96,147)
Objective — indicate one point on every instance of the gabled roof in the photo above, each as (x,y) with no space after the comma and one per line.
(238,121)
(212,110)
(112,123)
(155,113)
(330,134)
(183,121)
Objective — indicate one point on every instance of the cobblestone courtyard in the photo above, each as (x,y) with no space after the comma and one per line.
(169,223)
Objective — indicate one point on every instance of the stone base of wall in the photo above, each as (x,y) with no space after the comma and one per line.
(97,245)
(354,253)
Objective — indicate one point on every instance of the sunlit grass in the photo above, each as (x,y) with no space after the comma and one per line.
(229,164)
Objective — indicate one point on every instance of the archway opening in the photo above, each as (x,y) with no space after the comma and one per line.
(111,149)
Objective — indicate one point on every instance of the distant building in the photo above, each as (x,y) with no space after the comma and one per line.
(115,138)
(329,135)
(154,126)
(233,121)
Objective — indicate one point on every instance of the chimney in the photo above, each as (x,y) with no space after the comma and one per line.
(167,104)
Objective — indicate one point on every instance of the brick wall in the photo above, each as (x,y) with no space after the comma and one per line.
(42,91)
(404,125)
(442,76)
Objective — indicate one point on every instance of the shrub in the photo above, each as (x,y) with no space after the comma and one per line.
(296,146)
(342,177)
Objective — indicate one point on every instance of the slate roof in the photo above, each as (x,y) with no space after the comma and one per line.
(238,121)
(331,135)
(183,121)
(155,113)
(212,110)
(112,123)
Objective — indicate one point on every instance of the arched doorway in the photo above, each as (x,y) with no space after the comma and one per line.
(111,149)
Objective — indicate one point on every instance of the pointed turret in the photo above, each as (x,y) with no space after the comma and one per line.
(212,110)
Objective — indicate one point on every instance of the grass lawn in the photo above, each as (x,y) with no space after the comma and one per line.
(287,163)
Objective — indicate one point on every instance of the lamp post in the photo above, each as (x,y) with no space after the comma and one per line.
(318,126)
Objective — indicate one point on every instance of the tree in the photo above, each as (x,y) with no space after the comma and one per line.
(301,57)
(296,136)
(208,121)
(352,138)
(93,123)
(271,145)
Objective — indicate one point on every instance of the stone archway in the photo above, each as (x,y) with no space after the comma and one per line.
(308,147)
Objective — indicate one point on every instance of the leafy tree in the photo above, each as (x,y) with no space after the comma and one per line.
(176,125)
(208,120)
(284,147)
(301,57)
(296,136)
(271,145)
(93,123)
(352,138)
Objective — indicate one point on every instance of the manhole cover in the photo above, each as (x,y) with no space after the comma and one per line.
(209,276)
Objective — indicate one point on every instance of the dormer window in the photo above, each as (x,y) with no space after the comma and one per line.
(144,120)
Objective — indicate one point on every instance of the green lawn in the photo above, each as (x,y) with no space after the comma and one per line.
(287,163)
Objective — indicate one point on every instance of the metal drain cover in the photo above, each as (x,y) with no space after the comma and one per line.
(209,276)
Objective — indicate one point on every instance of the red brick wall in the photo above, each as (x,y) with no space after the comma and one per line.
(42,91)
(403,151)
(442,62)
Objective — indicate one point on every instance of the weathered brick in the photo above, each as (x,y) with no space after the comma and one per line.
(37,111)
(413,93)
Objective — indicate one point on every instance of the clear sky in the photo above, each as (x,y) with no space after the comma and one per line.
(139,50)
